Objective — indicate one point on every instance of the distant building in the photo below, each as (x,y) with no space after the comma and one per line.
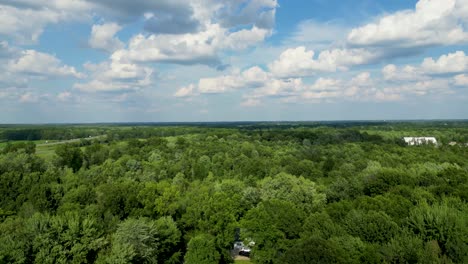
(416,141)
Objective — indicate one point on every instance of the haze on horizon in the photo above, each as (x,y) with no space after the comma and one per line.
(72,61)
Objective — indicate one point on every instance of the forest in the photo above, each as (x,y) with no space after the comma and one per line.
(297,192)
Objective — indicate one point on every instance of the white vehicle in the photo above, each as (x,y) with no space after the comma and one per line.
(242,249)
(245,251)
(238,245)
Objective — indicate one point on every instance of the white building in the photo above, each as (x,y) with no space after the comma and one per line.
(415,141)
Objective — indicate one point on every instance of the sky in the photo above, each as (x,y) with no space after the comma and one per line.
(74,61)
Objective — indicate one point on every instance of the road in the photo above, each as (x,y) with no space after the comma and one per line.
(69,141)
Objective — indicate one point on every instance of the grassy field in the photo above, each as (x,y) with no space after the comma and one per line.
(45,151)
(45,148)
(242,262)
(37,142)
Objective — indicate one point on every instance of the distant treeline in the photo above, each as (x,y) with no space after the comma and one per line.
(47,133)
(322,132)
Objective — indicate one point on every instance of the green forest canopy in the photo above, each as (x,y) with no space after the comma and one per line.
(312,192)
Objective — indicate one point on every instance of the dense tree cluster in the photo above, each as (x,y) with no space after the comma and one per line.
(177,194)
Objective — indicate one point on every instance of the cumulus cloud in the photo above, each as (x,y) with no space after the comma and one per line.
(186,91)
(212,28)
(392,72)
(115,76)
(184,48)
(191,48)
(251,102)
(41,13)
(29,98)
(25,20)
(65,96)
(250,78)
(431,23)
(461,80)
(255,79)
(421,88)
(326,84)
(257,84)
(103,37)
(169,17)
(451,63)
(6,51)
(300,62)
(36,63)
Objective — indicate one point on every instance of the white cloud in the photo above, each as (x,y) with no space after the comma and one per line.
(451,63)
(461,80)
(191,48)
(186,91)
(255,79)
(326,84)
(218,84)
(115,70)
(251,102)
(251,78)
(255,84)
(363,79)
(64,96)
(103,37)
(36,63)
(407,73)
(421,88)
(221,26)
(114,76)
(102,86)
(6,51)
(361,87)
(433,22)
(168,17)
(300,62)
(29,98)
(25,20)
(13,22)
(278,88)
(188,48)
(244,38)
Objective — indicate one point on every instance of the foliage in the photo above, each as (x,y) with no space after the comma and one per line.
(202,250)
(310,192)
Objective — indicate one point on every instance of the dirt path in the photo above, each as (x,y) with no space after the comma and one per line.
(69,141)
(241,258)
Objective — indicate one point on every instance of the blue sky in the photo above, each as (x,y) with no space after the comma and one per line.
(232,60)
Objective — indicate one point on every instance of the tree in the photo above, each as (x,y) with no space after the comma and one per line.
(202,250)
(372,226)
(273,225)
(443,225)
(314,250)
(69,156)
(297,190)
(144,241)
